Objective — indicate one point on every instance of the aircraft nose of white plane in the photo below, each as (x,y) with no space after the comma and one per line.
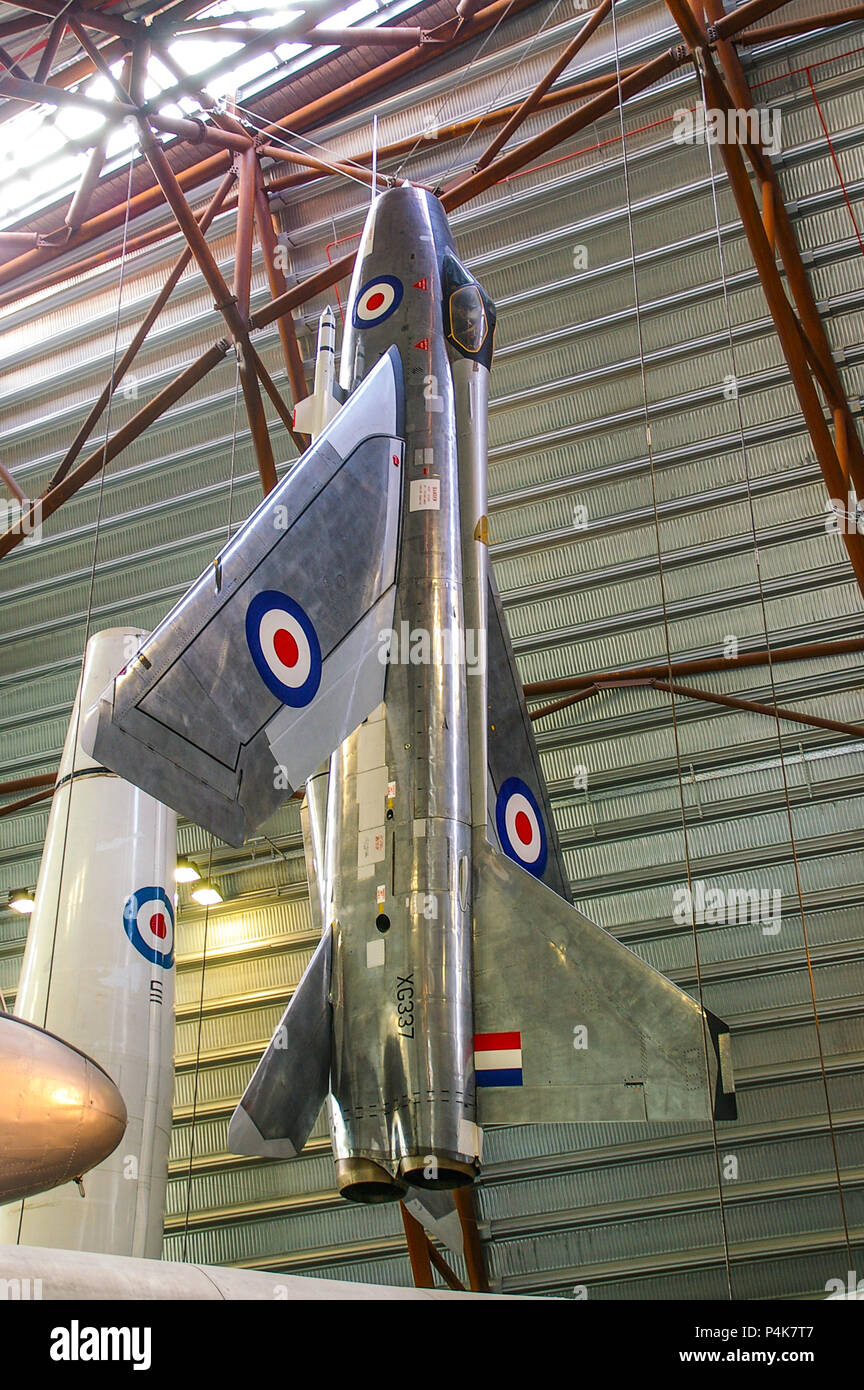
(60,1113)
(103,1120)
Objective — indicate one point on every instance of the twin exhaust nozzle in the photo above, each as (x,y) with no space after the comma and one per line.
(363,1180)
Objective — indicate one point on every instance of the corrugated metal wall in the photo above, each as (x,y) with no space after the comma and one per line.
(580,505)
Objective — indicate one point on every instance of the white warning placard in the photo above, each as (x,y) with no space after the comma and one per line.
(370,847)
(425,495)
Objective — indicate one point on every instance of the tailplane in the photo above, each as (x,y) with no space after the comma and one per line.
(570,1025)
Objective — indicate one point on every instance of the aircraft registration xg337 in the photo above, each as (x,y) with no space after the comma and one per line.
(355,615)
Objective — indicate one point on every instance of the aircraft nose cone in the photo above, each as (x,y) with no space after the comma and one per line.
(103,1121)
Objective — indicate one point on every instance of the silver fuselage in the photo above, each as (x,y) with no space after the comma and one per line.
(403,1099)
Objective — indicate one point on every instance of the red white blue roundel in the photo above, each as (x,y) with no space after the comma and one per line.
(148,921)
(284,646)
(377,300)
(520,826)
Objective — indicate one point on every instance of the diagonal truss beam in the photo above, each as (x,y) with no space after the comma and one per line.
(791,27)
(301,119)
(240,323)
(695,666)
(711,697)
(147,323)
(468,186)
(532,101)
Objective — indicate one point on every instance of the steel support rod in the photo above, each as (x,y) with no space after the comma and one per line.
(687,23)
(438,1262)
(533,99)
(89,179)
(792,27)
(324,166)
(273,392)
(173,194)
(278,286)
(756,707)
(813,329)
(41,93)
(26,784)
(472,1248)
(12,806)
(49,52)
(711,697)
(307,289)
(745,15)
(565,702)
(11,484)
(784,319)
(301,119)
(247,167)
(469,186)
(9,63)
(96,57)
(697,666)
(22,239)
(92,465)
(418,1250)
(21,24)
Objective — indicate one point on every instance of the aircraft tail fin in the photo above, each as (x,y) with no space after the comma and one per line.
(280,1105)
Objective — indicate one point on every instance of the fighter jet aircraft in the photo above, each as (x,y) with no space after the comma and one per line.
(355,615)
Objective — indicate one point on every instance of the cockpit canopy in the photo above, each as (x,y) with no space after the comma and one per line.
(469,314)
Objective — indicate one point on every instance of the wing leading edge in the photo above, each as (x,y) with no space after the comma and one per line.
(272,657)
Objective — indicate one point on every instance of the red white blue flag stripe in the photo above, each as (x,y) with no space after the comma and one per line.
(498,1059)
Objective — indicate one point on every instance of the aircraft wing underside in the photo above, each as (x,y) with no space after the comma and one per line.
(272,657)
(515,776)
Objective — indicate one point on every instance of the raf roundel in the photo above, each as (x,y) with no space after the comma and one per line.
(284,647)
(520,826)
(377,300)
(148,921)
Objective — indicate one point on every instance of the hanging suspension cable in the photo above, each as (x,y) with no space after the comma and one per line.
(192,1130)
(707,1045)
(487,39)
(195,1085)
(774,700)
(88,616)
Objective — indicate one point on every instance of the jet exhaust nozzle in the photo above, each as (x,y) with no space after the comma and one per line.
(361,1180)
(436,1174)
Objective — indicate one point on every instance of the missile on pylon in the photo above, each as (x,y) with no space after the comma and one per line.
(312,415)
(99,971)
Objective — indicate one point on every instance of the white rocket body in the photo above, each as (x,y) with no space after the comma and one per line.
(312,415)
(99,971)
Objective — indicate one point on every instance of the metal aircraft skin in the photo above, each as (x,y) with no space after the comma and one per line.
(60,1113)
(355,615)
